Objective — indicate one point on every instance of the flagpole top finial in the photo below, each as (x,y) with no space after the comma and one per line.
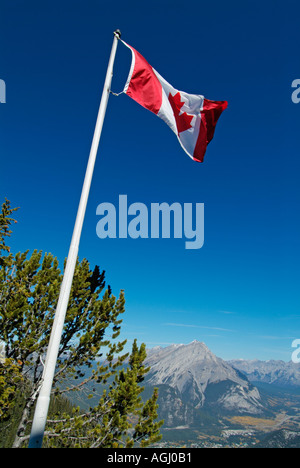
(117,33)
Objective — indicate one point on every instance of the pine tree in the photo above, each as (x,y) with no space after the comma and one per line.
(10,369)
(29,288)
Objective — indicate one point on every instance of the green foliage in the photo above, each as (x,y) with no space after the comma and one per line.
(120,419)
(5,223)
(9,425)
(10,379)
(29,289)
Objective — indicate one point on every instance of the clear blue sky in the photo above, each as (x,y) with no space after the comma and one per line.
(240,292)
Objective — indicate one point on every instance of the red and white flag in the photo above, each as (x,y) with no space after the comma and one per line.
(191,117)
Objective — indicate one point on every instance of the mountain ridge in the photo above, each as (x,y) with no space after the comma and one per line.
(201,379)
(276,372)
(202,397)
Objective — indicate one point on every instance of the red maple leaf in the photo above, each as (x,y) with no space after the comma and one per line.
(183,120)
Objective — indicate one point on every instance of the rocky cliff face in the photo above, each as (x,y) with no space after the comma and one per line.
(191,377)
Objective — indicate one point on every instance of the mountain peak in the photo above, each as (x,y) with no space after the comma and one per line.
(196,342)
(174,361)
(190,369)
(199,345)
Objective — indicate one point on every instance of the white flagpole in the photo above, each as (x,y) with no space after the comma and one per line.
(42,405)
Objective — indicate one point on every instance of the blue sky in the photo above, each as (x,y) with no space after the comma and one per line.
(240,292)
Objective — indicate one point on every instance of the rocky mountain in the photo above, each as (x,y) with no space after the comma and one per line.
(190,378)
(202,397)
(284,374)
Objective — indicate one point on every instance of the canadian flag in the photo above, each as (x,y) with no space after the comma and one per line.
(191,117)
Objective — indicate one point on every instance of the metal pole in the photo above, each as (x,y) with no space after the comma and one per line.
(42,405)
